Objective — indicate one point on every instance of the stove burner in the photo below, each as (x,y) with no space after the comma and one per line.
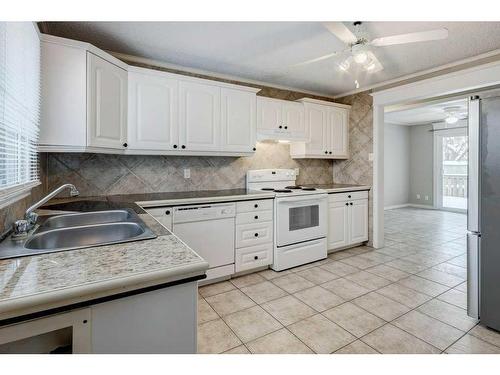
(282,191)
(267,189)
(308,188)
(293,187)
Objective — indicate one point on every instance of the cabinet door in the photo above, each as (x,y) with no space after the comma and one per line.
(107,103)
(339,128)
(238,120)
(199,117)
(316,123)
(269,115)
(338,225)
(358,221)
(152,112)
(293,120)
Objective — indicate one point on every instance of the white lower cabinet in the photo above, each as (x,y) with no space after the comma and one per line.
(254,234)
(347,219)
(338,225)
(43,335)
(162,321)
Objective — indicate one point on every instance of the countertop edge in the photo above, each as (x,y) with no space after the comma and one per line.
(350,188)
(61,297)
(185,201)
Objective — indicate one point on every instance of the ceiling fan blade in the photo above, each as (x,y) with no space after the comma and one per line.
(321,58)
(341,31)
(421,36)
(377,65)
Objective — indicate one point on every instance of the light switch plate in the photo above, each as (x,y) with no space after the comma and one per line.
(370,156)
(187,173)
(418,196)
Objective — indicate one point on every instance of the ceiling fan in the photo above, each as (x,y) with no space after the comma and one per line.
(358,45)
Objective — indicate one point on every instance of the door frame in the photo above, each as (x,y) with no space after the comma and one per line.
(437,182)
(466,80)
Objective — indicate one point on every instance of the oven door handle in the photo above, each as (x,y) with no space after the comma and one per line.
(301,203)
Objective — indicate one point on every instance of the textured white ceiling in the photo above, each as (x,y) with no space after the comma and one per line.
(264,51)
(424,114)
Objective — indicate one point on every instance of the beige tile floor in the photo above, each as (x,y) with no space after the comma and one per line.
(409,297)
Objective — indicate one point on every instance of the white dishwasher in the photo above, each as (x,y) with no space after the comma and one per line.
(209,230)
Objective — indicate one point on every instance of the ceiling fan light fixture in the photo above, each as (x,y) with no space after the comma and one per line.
(451,119)
(360,57)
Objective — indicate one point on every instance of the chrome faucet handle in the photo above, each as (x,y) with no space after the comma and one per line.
(31,219)
(21,227)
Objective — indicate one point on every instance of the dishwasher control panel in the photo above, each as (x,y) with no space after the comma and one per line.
(185,214)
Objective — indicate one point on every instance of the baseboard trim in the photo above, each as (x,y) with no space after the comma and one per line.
(396,206)
(422,206)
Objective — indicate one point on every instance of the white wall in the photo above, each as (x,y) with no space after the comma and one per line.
(421,164)
(396,165)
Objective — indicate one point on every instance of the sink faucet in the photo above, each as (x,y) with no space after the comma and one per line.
(30,217)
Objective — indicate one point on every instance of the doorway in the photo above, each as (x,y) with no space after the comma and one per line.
(450,168)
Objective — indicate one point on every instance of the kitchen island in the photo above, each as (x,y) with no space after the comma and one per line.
(134,297)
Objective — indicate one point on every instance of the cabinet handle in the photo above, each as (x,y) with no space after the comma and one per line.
(326,152)
(254,149)
(167,212)
(350,203)
(256,234)
(281,127)
(256,205)
(347,204)
(329,152)
(175,146)
(286,127)
(256,257)
(183,146)
(349,196)
(256,217)
(125,144)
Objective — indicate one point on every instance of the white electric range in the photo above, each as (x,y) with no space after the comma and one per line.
(300,217)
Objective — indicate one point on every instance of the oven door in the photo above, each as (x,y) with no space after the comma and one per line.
(301,218)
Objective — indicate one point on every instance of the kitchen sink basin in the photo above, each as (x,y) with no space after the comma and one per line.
(84,236)
(86,218)
(78,230)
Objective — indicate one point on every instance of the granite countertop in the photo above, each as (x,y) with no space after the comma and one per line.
(36,283)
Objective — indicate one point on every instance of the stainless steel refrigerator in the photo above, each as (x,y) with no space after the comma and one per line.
(483,214)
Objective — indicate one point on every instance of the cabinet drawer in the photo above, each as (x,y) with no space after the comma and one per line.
(338,197)
(252,257)
(256,205)
(254,217)
(254,234)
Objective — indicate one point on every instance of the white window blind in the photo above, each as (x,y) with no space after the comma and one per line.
(19,108)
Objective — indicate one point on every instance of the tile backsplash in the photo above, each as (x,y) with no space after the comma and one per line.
(100,174)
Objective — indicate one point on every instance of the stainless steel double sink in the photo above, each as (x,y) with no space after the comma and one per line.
(78,230)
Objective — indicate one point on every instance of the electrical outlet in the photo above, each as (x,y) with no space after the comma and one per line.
(296,171)
(370,156)
(187,173)
(418,196)
(426,197)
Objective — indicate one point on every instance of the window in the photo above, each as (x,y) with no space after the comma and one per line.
(19,109)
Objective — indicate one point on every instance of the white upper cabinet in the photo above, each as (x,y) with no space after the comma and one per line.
(152,111)
(280,119)
(199,117)
(63,122)
(339,128)
(327,127)
(84,98)
(238,120)
(106,103)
